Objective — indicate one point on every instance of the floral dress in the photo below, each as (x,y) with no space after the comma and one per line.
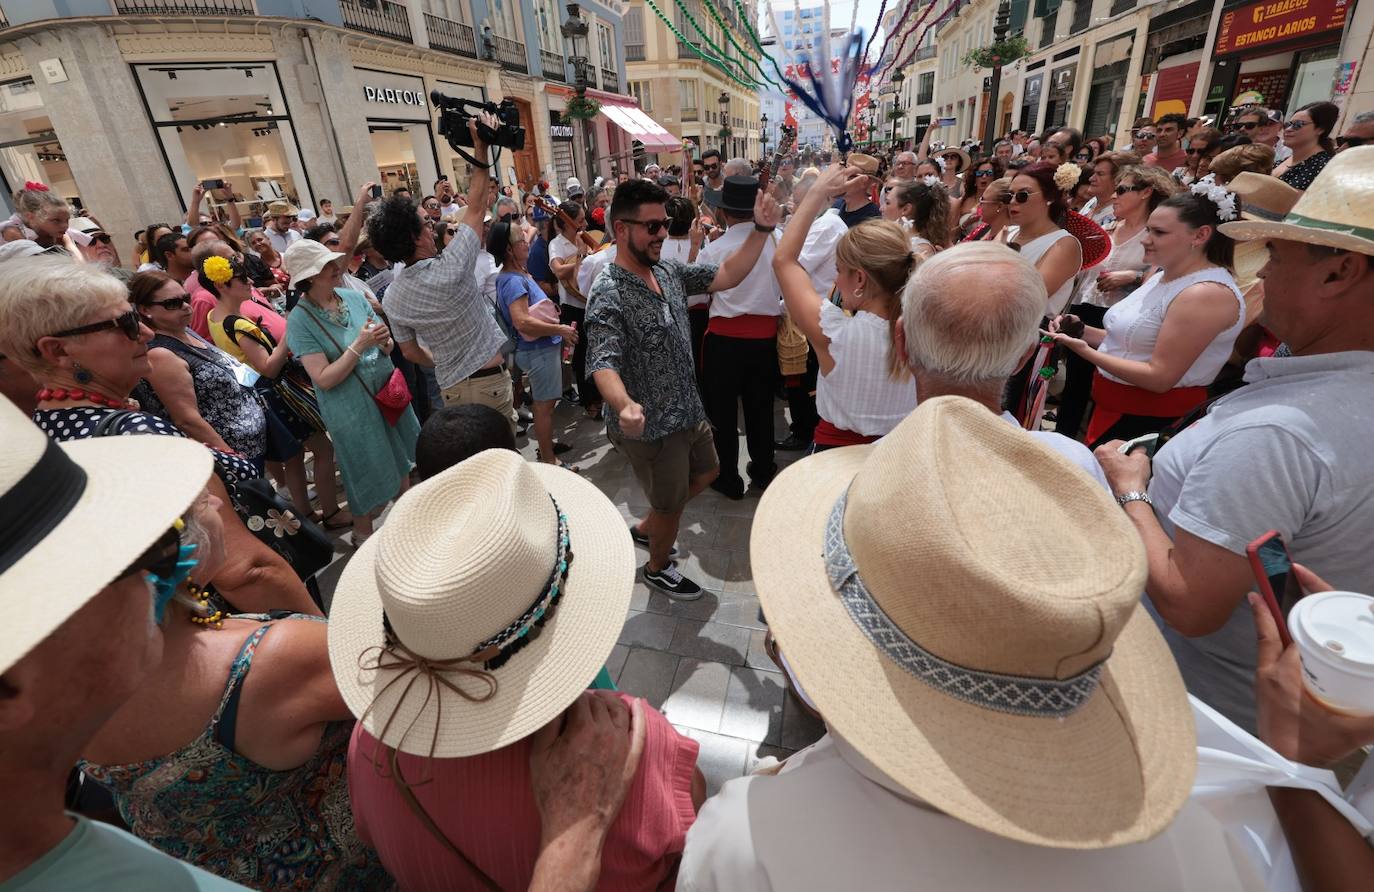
(226,405)
(281,830)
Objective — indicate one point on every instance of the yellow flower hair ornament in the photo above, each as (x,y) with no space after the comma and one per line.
(217,270)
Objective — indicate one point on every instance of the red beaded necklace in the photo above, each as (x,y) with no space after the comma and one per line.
(62,394)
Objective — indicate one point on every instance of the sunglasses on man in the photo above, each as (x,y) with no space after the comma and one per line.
(1144,134)
(102,238)
(653,227)
(1246,125)
(127,323)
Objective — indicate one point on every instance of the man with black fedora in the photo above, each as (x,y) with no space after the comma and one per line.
(739,357)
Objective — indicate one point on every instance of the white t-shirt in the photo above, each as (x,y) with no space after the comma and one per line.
(592,266)
(758,294)
(858,394)
(680,249)
(818,253)
(1133,325)
(563,249)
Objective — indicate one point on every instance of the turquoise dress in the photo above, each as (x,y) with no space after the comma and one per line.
(373,456)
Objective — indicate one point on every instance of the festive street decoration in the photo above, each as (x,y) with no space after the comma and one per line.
(581,108)
(1003,52)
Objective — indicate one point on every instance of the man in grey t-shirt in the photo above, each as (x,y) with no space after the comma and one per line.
(1288,452)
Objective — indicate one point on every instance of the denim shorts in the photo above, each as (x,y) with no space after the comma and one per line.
(544,366)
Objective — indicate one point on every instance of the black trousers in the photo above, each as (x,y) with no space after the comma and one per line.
(587,394)
(741,371)
(1078,381)
(801,399)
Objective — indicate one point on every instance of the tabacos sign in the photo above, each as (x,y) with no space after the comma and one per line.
(1277,21)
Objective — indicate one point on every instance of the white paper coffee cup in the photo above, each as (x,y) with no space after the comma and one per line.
(1334,632)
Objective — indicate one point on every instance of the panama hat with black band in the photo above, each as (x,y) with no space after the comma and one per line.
(962,604)
(79,515)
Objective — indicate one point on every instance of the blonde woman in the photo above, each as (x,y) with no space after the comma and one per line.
(993,209)
(864,389)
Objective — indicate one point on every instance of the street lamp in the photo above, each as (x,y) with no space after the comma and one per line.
(574,30)
(1000,27)
(763,134)
(897,103)
(725,131)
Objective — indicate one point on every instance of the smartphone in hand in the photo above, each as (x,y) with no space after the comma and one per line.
(211,185)
(1274,577)
(376,192)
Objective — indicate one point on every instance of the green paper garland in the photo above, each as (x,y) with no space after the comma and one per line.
(721,55)
(710,7)
(708,57)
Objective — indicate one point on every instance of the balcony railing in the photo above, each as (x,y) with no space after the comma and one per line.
(610,80)
(634,52)
(383,18)
(510,54)
(1120,6)
(689,114)
(925,52)
(553,65)
(180,7)
(451,36)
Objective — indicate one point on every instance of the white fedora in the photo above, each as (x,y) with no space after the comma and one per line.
(962,604)
(484,606)
(1337,210)
(75,515)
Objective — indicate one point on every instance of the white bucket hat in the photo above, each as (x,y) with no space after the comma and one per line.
(484,606)
(75,515)
(1337,210)
(305,258)
(963,606)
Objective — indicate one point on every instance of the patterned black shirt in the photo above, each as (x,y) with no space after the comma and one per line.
(647,339)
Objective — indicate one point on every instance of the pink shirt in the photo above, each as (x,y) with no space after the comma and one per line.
(484,804)
(202,302)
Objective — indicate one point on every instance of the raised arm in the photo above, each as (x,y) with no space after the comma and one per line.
(353,229)
(739,264)
(803,303)
(478,183)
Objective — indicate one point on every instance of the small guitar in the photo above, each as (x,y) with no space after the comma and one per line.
(779,155)
(587,238)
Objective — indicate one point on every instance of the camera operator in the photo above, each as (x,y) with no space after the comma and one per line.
(435,300)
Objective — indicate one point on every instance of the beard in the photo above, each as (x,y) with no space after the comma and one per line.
(648,255)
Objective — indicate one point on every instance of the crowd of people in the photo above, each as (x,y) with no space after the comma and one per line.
(1070,379)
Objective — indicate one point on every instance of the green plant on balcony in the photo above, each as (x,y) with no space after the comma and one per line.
(725,132)
(581,108)
(1003,52)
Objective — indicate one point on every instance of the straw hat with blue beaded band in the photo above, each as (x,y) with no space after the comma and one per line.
(488,601)
(962,604)
(1337,210)
(75,515)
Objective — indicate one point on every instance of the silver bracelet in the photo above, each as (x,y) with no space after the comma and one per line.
(1134,495)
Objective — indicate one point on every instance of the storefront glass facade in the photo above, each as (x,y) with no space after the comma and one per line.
(398,121)
(29,150)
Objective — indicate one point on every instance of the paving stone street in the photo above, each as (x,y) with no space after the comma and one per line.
(701,662)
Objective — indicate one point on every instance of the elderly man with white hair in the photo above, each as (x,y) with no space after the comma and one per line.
(904,166)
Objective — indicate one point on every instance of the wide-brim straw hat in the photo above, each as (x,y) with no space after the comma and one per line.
(867,164)
(282,209)
(1337,210)
(1011,568)
(1263,197)
(305,258)
(78,514)
(964,159)
(462,561)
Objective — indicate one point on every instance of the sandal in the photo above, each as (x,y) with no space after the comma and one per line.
(336,524)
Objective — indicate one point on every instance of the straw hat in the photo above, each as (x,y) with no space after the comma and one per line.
(282,209)
(964,159)
(1263,197)
(77,514)
(1337,210)
(305,258)
(458,570)
(1016,575)
(866,164)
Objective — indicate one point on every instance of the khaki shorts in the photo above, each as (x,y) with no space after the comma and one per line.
(665,467)
(493,391)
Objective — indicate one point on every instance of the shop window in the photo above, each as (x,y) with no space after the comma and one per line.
(226,121)
(1313,76)
(925,93)
(29,149)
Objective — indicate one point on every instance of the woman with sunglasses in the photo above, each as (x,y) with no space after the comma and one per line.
(984,172)
(1040,211)
(71,327)
(1138,192)
(294,422)
(1308,134)
(231,754)
(922,209)
(1200,146)
(191,381)
(993,211)
(1161,346)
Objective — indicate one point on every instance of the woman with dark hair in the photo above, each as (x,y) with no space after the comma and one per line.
(534,317)
(984,172)
(1040,210)
(1201,148)
(151,233)
(1161,346)
(923,209)
(566,250)
(682,244)
(1308,134)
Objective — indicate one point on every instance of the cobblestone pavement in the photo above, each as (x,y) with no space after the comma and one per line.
(701,662)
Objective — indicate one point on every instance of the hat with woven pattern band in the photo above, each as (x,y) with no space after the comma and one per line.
(1337,210)
(962,604)
(487,602)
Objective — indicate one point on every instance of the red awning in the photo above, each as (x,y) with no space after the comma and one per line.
(632,119)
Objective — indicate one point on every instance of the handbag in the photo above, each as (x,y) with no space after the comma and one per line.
(292,384)
(393,398)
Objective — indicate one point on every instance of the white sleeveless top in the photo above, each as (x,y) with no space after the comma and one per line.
(1033,250)
(1133,325)
(858,394)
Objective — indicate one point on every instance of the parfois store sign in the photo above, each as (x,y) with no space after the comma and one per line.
(388,96)
(1277,21)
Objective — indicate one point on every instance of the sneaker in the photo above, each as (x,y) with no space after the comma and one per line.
(672,583)
(643,540)
(525,416)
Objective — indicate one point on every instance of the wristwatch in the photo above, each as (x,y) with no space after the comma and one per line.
(1134,495)
(758,228)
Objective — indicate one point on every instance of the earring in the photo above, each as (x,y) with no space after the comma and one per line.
(859,293)
(80,374)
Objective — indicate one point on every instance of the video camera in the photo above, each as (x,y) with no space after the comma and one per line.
(454,118)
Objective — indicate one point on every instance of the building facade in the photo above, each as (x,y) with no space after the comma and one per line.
(123,106)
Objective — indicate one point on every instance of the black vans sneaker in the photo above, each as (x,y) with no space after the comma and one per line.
(672,583)
(643,541)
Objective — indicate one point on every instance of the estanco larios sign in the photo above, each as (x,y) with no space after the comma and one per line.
(1277,21)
